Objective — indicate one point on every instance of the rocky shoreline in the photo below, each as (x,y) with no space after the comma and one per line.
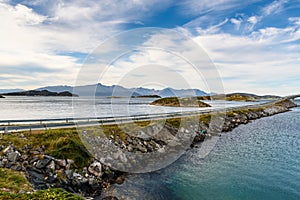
(44,171)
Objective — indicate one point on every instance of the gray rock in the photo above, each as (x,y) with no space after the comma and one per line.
(95,168)
(130,148)
(141,148)
(27,147)
(16,167)
(13,156)
(69,163)
(129,140)
(123,158)
(116,155)
(34,159)
(51,179)
(69,174)
(61,162)
(51,165)
(35,152)
(49,157)
(42,163)
(24,157)
(25,163)
(34,174)
(8,150)
(9,165)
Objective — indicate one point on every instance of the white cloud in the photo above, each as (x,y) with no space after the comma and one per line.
(274,8)
(210,29)
(295,20)
(236,22)
(29,38)
(253,20)
(205,6)
(263,62)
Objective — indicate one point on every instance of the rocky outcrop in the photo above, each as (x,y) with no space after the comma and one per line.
(44,171)
(180,102)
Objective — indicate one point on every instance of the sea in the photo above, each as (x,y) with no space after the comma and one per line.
(259,160)
(20,108)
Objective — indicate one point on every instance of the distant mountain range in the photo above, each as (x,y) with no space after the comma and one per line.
(116,90)
(2,91)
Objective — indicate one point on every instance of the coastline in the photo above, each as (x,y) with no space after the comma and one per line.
(93,176)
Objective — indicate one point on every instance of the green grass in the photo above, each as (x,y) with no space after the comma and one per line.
(59,143)
(228,97)
(13,181)
(180,102)
(238,97)
(49,194)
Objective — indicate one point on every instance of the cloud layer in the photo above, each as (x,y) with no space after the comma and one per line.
(254,45)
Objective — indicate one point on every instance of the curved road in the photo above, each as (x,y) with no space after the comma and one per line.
(41,124)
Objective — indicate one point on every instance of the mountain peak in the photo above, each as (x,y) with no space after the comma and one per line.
(117,90)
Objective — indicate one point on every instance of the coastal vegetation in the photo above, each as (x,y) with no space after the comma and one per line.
(59,143)
(14,185)
(147,96)
(245,97)
(180,102)
(40,93)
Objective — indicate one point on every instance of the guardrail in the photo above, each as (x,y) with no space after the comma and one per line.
(37,124)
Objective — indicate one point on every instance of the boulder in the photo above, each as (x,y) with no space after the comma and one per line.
(13,156)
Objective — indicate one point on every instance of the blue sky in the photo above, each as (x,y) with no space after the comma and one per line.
(255,45)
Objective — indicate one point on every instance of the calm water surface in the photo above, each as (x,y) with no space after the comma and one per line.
(67,107)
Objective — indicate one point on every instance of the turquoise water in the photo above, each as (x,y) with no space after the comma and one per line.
(260,160)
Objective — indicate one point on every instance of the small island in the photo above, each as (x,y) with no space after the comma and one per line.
(180,102)
(41,93)
(1,96)
(147,96)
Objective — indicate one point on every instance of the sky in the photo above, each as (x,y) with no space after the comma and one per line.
(254,46)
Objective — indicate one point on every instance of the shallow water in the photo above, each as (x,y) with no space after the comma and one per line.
(260,160)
